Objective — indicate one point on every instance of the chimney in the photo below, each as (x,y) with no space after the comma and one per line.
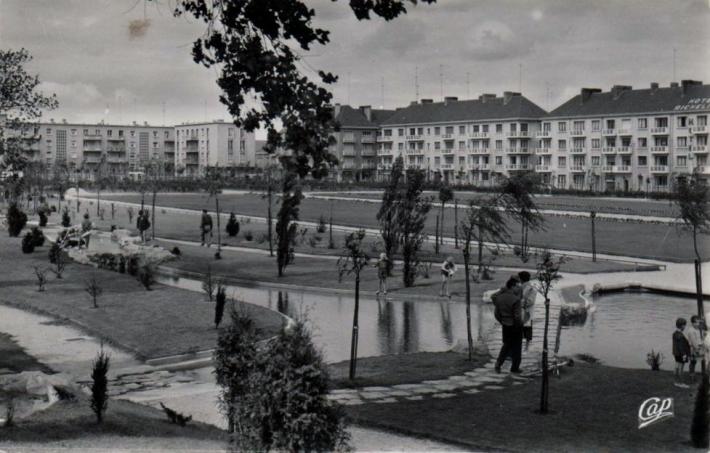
(508,96)
(587,93)
(686,84)
(336,110)
(674,84)
(485,97)
(64,121)
(135,124)
(367,111)
(427,101)
(51,120)
(654,86)
(449,99)
(617,90)
(415,102)
(145,123)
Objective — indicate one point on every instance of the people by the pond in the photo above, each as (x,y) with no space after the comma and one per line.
(696,338)
(528,294)
(143,223)
(509,313)
(681,350)
(382,266)
(206,228)
(448,269)
(86,227)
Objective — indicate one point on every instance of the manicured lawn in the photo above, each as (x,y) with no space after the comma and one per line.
(403,368)
(643,240)
(70,425)
(155,323)
(15,359)
(593,408)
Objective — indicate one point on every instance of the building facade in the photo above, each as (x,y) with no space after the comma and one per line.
(215,144)
(627,139)
(467,142)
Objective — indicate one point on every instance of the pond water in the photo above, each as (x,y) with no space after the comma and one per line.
(626,326)
(385,327)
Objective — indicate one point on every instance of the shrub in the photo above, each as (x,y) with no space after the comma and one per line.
(42,219)
(10,414)
(99,385)
(321,224)
(132,265)
(313,241)
(654,359)
(175,417)
(262,238)
(249,236)
(146,276)
(53,251)
(121,264)
(701,418)
(232,226)
(16,220)
(37,237)
(41,275)
(221,301)
(66,220)
(176,251)
(28,243)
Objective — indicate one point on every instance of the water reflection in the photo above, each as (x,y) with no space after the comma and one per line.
(386,326)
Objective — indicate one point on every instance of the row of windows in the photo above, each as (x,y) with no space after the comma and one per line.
(642,161)
(109,133)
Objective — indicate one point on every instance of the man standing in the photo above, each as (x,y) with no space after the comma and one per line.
(509,313)
(527,300)
(206,227)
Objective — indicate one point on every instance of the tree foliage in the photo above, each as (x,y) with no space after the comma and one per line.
(256,45)
(516,195)
(387,215)
(692,197)
(412,210)
(99,385)
(20,104)
(286,227)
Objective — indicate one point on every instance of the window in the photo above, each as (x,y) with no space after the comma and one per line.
(230,133)
(596,125)
(682,142)
(462,130)
(579,126)
(562,126)
(73,132)
(73,143)
(449,129)
(702,120)
(561,162)
(437,145)
(642,161)
(437,130)
(109,133)
(596,143)
(642,142)
(462,144)
(499,128)
(682,121)
(167,134)
(561,181)
(499,144)
(562,144)
(420,131)
(682,161)
(661,122)
(388,132)
(412,131)
(400,146)
(610,124)
(499,160)
(484,128)
(596,161)
(546,127)
(120,133)
(97,132)
(400,132)
(155,134)
(513,127)
(642,123)
(475,128)
(49,131)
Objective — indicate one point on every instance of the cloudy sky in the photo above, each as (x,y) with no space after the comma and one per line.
(85,52)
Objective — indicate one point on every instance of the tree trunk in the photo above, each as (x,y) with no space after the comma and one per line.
(699,287)
(436,237)
(218,255)
(592,215)
(269,221)
(155,194)
(466,259)
(544,395)
(456,224)
(441,230)
(353,345)
(98,199)
(480,248)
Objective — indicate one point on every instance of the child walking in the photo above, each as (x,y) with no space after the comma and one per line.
(382,264)
(681,350)
(448,269)
(696,338)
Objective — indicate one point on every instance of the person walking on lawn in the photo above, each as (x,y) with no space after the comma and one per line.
(448,269)
(508,312)
(382,264)
(681,351)
(527,300)
(206,228)
(86,227)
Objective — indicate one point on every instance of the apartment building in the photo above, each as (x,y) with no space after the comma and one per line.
(627,139)
(355,143)
(90,150)
(213,144)
(462,141)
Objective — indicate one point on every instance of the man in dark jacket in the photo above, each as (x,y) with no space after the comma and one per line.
(508,311)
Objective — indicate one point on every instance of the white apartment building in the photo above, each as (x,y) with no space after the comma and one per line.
(213,144)
(627,139)
(468,141)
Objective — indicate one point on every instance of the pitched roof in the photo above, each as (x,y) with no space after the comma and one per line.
(488,108)
(352,117)
(629,101)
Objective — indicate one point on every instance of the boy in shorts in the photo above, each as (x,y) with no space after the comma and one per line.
(681,350)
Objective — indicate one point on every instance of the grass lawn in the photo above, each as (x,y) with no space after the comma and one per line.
(70,425)
(403,368)
(644,240)
(593,408)
(14,359)
(151,324)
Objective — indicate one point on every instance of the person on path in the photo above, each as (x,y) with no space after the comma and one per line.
(206,228)
(681,350)
(696,338)
(382,264)
(448,269)
(86,229)
(527,300)
(508,312)
(143,223)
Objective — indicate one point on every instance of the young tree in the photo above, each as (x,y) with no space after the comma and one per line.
(99,385)
(692,198)
(215,182)
(517,197)
(41,274)
(209,283)
(547,274)
(445,195)
(353,261)
(286,227)
(93,289)
(21,104)
(387,215)
(412,210)
(484,222)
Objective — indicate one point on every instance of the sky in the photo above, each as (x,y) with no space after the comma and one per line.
(104,63)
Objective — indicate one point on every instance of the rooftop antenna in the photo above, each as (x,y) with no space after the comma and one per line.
(163,113)
(382,91)
(674,55)
(547,95)
(120,110)
(204,103)
(441,81)
(468,82)
(520,77)
(416,82)
(348,88)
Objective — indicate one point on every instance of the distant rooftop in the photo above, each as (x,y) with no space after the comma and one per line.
(362,117)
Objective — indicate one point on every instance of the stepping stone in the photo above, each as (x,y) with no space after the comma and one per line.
(475,373)
(489,379)
(406,386)
(415,398)
(352,402)
(372,395)
(517,383)
(374,389)
(445,387)
(470,383)
(443,395)
(472,391)
(424,390)
(399,393)
(343,391)
(385,400)
(458,378)
(493,387)
(440,381)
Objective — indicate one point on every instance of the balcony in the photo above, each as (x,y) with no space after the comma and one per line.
(93,135)
(192,138)
(414,138)
(348,153)
(659,149)
(116,139)
(578,150)
(92,159)
(368,152)
(517,167)
(191,161)
(447,166)
(577,132)
(384,138)
(577,169)
(517,151)
(609,150)
(702,169)
(448,151)
(115,149)
(447,136)
(542,168)
(518,134)
(117,160)
(624,150)
(660,169)
(481,167)
(92,150)
(659,131)
(542,134)
(479,151)
(699,149)
(608,131)
(348,138)
(543,150)
(478,135)
(616,169)
(625,132)
(699,129)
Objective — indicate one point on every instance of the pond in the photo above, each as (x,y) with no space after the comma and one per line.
(626,326)
(385,327)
